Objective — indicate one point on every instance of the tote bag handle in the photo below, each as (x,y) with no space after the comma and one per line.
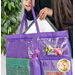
(25,19)
(22,23)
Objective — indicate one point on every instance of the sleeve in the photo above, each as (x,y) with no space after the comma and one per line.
(29,15)
(72,2)
(71,38)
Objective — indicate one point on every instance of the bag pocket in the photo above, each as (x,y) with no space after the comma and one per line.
(35,67)
(18,66)
(52,46)
(19,48)
(56,66)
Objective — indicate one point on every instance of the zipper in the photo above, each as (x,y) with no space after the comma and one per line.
(54,37)
(17,38)
(55,58)
(39,37)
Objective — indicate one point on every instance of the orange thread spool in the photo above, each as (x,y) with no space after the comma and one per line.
(58,51)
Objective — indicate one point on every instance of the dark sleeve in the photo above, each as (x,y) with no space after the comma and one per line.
(71,37)
(72,2)
(29,15)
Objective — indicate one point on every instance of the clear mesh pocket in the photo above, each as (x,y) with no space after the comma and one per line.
(19,48)
(18,66)
(47,45)
(49,67)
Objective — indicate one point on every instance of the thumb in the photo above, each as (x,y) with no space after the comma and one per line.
(33,2)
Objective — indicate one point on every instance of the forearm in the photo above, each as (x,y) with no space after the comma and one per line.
(52,16)
(50,12)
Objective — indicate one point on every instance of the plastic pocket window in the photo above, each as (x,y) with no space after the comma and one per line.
(47,46)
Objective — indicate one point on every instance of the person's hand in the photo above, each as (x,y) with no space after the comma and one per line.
(45,12)
(27,4)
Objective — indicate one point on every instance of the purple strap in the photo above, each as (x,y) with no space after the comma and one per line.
(24,18)
(34,16)
(26,25)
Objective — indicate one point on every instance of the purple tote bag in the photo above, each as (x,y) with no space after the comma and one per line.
(23,46)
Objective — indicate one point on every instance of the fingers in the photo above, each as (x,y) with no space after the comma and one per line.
(33,3)
(27,3)
(42,15)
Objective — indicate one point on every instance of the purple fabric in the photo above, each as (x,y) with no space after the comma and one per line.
(62,44)
(35,19)
(26,25)
(50,64)
(23,45)
(35,67)
(15,41)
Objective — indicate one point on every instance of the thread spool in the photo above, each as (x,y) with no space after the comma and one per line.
(58,51)
(34,56)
